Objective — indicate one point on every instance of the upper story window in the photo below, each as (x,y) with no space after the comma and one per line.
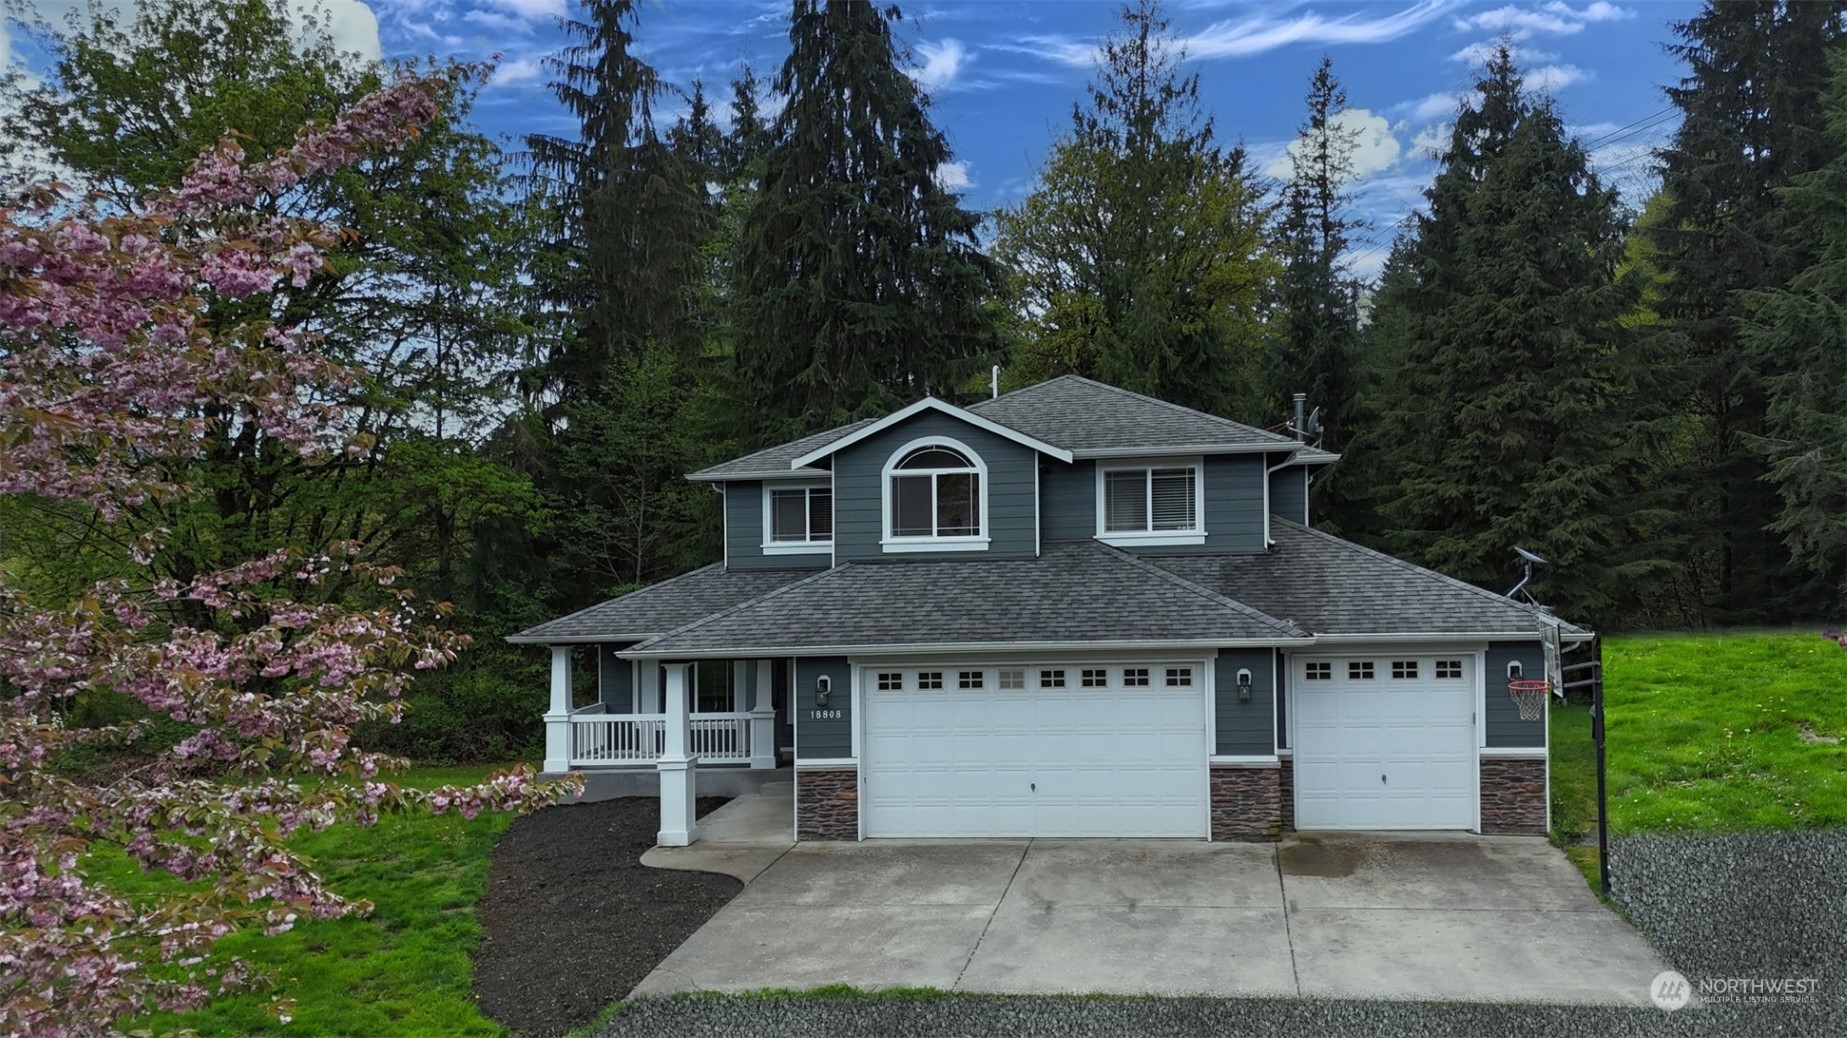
(797,519)
(1159,503)
(935,498)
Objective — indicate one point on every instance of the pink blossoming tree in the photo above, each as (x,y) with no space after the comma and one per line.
(108,366)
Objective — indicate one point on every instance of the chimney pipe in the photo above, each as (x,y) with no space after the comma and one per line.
(1301,401)
(994,382)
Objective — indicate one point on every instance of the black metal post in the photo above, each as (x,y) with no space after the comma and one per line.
(1603,799)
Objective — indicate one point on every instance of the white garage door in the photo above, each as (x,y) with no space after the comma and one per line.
(1044,750)
(1385,742)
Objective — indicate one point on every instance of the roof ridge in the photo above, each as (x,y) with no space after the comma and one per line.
(1169,403)
(709,617)
(1415,568)
(1207,593)
(627,594)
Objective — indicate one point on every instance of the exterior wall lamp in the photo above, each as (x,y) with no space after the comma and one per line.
(823,687)
(1244,686)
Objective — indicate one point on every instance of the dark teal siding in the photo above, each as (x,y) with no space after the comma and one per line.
(1068,500)
(1233,501)
(1282,698)
(1244,729)
(1289,493)
(859,521)
(744,532)
(616,680)
(1505,729)
(823,739)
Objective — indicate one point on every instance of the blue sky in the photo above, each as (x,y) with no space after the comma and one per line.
(1004,73)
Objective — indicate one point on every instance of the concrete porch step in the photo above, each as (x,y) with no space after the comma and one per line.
(784,788)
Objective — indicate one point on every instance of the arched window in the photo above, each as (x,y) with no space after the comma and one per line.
(934,497)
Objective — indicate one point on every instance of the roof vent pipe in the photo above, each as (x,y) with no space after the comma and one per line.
(994,382)
(1301,401)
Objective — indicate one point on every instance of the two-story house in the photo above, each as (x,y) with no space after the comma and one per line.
(1069,611)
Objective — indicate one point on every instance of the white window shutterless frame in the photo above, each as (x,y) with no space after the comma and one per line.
(935,497)
(1151,502)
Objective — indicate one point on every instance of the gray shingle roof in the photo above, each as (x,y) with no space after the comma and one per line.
(774,461)
(1331,586)
(1075,594)
(661,607)
(1083,416)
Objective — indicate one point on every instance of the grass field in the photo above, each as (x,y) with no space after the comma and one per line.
(404,970)
(1710,733)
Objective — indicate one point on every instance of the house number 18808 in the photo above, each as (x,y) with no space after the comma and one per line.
(824,715)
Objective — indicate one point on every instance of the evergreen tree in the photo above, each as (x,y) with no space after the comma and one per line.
(628,292)
(1749,125)
(1801,331)
(1139,258)
(1515,425)
(861,285)
(1316,350)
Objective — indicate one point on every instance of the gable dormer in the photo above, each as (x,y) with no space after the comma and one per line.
(934,480)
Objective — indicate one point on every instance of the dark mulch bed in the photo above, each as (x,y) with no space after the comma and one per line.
(573,920)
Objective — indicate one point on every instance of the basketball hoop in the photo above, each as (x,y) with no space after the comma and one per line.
(1530,697)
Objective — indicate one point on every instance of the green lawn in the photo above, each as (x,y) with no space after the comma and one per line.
(1710,733)
(405,969)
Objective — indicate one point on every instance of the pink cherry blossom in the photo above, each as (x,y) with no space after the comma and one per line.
(108,363)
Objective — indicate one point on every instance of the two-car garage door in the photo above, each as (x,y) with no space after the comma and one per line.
(1385,742)
(1040,750)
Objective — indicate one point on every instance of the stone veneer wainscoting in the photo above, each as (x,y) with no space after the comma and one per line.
(1513,795)
(826,803)
(1247,802)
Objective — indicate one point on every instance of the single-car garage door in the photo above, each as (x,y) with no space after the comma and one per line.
(1043,750)
(1385,742)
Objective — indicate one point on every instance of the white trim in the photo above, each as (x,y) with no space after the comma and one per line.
(799,548)
(724,514)
(772,546)
(857,717)
(1340,642)
(752,475)
(1247,760)
(1151,537)
(827,764)
(1513,753)
(961,542)
(904,544)
(1151,540)
(930,403)
(911,650)
(1038,530)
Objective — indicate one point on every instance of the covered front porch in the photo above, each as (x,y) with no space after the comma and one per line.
(655,723)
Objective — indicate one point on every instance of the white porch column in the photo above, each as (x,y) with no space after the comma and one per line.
(678,772)
(763,721)
(558,718)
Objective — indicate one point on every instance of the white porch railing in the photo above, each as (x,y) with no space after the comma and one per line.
(599,738)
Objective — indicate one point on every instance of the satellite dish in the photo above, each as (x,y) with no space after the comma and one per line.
(1531,557)
(1312,427)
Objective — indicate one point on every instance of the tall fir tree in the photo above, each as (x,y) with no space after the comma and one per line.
(1750,124)
(627,288)
(1514,424)
(1318,326)
(860,281)
(1139,257)
(1801,331)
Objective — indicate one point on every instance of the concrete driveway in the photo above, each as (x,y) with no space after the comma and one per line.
(1498,919)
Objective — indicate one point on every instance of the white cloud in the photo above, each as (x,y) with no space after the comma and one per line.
(1258,33)
(953,176)
(1431,106)
(1479,53)
(530,10)
(1375,147)
(1431,140)
(1553,78)
(941,63)
(1556,18)
(518,71)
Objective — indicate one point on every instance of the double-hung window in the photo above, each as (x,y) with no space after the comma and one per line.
(1150,504)
(797,519)
(934,499)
